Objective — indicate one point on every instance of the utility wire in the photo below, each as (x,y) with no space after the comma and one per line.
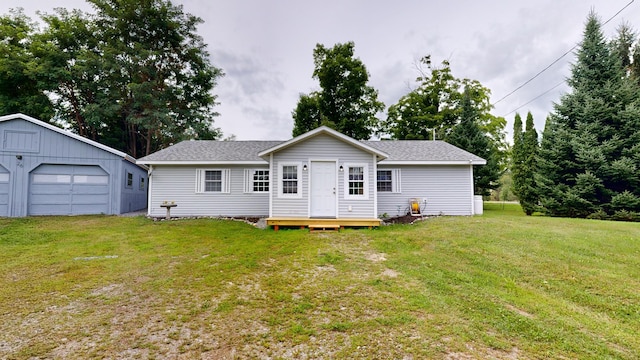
(534,99)
(554,62)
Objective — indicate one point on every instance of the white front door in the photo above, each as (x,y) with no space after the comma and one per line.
(323,189)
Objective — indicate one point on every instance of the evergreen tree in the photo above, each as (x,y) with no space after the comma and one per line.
(590,142)
(517,156)
(527,193)
(345,101)
(468,135)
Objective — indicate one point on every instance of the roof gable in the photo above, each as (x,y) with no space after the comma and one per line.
(66,133)
(328,131)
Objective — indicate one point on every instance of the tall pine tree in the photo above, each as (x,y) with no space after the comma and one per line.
(590,142)
(517,155)
(528,193)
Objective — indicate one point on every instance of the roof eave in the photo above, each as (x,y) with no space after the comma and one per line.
(201,162)
(433,162)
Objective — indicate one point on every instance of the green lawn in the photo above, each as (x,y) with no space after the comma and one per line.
(501,286)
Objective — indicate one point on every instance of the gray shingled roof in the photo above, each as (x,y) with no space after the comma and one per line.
(211,150)
(422,150)
(247,151)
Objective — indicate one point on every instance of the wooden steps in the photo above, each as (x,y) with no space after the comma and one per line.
(319,224)
(324,227)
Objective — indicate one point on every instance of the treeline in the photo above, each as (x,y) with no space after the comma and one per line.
(134,75)
(588,162)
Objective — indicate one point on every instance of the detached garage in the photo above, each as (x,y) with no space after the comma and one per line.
(45,170)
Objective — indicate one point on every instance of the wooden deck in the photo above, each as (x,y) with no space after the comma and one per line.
(321,224)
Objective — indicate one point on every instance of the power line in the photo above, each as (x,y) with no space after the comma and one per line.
(553,63)
(534,99)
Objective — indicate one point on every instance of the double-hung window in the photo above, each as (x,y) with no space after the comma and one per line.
(388,180)
(256,181)
(290,180)
(212,180)
(356,181)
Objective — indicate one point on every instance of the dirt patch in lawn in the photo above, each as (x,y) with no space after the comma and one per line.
(403,219)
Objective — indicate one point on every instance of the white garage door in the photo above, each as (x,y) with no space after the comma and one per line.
(4,191)
(68,190)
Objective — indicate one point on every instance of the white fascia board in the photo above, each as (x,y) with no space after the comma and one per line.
(201,162)
(432,162)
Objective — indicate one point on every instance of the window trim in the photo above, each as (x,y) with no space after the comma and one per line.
(365,180)
(395,181)
(224,179)
(298,194)
(128,180)
(249,181)
(142,184)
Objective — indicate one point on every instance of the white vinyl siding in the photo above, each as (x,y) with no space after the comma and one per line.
(175,183)
(388,180)
(212,181)
(447,189)
(324,148)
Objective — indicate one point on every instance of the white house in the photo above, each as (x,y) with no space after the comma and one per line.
(322,176)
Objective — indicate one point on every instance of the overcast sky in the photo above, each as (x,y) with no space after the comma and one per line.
(266,49)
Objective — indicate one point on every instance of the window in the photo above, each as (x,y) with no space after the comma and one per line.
(129,179)
(91,179)
(356,181)
(4,177)
(290,179)
(256,181)
(388,180)
(141,183)
(212,180)
(51,178)
(290,175)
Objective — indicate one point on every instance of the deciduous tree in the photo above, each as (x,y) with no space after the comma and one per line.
(468,135)
(345,101)
(135,76)
(435,107)
(19,90)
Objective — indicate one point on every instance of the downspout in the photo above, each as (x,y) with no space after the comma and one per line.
(149,192)
(274,183)
(375,186)
(473,205)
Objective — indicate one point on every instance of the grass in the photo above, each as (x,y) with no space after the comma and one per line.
(499,286)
